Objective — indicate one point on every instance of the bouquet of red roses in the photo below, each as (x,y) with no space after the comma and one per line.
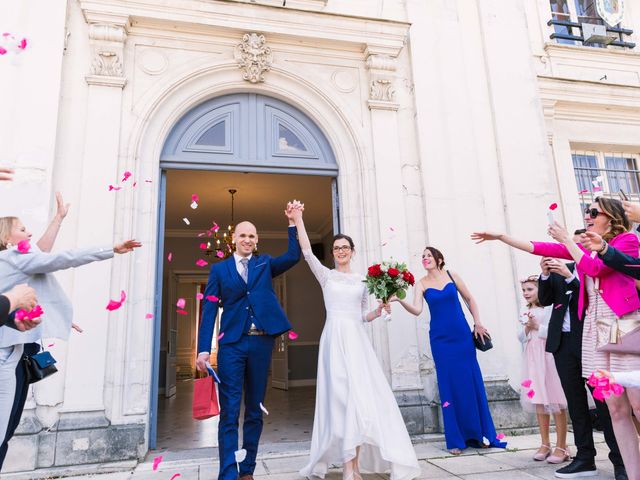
(387,279)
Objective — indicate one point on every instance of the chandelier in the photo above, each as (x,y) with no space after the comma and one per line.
(222,242)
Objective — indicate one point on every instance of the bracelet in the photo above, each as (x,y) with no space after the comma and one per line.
(603,248)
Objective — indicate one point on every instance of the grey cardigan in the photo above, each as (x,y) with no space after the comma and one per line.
(36,268)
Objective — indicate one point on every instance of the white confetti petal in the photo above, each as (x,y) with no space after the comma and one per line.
(194,205)
(266,412)
(240,455)
(186,220)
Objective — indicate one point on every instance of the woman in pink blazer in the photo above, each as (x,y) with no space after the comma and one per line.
(605,294)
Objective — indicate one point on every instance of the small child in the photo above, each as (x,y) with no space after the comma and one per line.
(543,392)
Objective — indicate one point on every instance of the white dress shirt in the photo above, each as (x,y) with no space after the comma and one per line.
(239,266)
(566,323)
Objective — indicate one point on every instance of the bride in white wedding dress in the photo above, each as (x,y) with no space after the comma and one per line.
(357,421)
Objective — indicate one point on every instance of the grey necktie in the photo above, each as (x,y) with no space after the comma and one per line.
(245,269)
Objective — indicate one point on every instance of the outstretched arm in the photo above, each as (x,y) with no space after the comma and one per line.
(49,237)
(415,307)
(523,245)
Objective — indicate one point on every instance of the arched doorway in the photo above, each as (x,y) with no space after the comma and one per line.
(270,152)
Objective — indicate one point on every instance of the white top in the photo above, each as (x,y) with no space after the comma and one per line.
(356,280)
(566,323)
(542,316)
(35,268)
(627,379)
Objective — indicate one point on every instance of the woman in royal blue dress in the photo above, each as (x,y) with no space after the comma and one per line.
(465,410)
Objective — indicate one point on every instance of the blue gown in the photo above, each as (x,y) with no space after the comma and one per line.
(467,418)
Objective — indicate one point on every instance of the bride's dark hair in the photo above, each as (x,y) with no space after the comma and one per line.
(342,236)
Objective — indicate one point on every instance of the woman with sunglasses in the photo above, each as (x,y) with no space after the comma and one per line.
(605,294)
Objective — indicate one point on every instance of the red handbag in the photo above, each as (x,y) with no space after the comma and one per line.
(205,399)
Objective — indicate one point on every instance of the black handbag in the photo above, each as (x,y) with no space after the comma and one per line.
(481,344)
(39,365)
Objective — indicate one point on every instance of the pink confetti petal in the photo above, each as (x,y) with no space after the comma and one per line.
(175,475)
(23,44)
(526,383)
(201,263)
(111,187)
(212,298)
(220,336)
(215,227)
(3,51)
(148,181)
(134,184)
(181,303)
(24,246)
(219,254)
(126,176)
(203,246)
(531,394)
(445,404)
(597,189)
(633,266)
(500,436)
(50,345)
(617,389)
(114,305)
(195,198)
(553,206)
(558,306)
(170,256)
(182,312)
(202,234)
(292,335)
(199,296)
(148,316)
(581,192)
(156,462)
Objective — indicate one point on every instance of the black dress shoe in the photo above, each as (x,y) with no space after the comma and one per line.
(578,468)
(619,472)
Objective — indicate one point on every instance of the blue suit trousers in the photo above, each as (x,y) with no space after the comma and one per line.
(244,363)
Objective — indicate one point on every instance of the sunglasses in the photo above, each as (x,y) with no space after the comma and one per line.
(593,212)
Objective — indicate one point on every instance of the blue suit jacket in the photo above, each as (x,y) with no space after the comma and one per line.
(238,298)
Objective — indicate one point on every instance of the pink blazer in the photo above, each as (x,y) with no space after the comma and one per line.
(617,289)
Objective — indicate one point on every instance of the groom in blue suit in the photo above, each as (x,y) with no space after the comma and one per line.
(251,320)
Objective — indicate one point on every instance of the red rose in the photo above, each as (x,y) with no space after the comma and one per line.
(374,270)
(393,272)
(408,277)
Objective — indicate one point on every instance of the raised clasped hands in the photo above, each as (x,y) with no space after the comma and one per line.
(294,210)
(558,233)
(592,241)
(126,246)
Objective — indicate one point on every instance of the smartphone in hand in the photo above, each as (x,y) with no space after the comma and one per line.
(623,196)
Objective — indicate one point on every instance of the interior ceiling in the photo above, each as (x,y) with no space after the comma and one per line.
(261,198)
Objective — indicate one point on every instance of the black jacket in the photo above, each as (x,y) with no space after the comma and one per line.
(622,262)
(6,318)
(553,291)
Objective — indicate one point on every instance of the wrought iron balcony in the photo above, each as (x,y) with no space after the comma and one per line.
(619,32)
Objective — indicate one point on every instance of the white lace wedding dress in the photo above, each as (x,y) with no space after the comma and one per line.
(354,403)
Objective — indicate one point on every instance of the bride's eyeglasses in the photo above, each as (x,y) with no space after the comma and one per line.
(342,248)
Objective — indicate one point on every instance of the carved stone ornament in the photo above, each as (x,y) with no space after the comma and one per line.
(254,57)
(611,11)
(382,89)
(107,42)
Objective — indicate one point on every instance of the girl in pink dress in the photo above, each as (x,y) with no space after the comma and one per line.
(542,392)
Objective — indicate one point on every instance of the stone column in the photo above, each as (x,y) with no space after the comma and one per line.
(92,284)
(400,334)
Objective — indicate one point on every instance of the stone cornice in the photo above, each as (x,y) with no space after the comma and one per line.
(382,36)
(589,101)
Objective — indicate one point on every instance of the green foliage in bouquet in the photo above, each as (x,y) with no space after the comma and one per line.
(387,279)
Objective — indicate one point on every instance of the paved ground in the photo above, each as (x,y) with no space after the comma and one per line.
(436,463)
